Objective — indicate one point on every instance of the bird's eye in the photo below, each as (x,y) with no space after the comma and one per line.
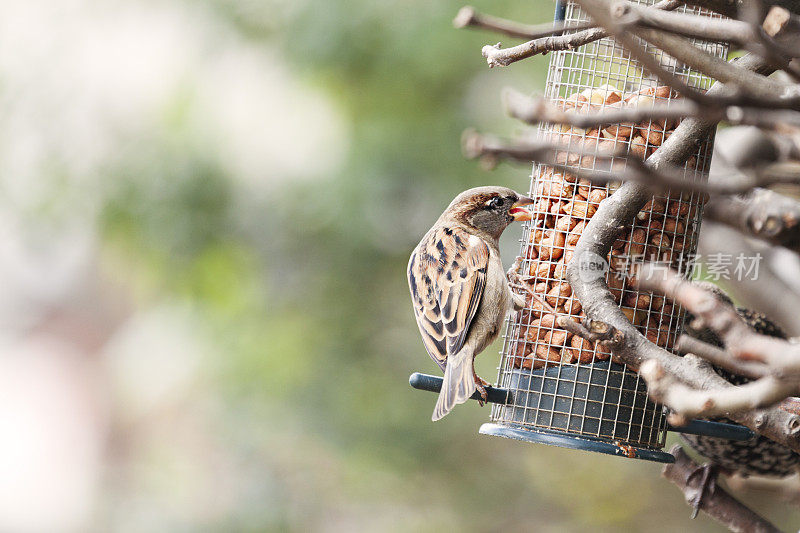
(495,202)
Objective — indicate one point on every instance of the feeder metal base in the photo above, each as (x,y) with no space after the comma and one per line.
(563,440)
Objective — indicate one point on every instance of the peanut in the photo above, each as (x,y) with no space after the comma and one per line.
(536,330)
(565,224)
(555,187)
(575,100)
(678,208)
(584,349)
(544,354)
(522,350)
(560,271)
(637,301)
(572,306)
(587,161)
(655,334)
(552,245)
(655,207)
(579,209)
(571,178)
(569,355)
(654,136)
(556,208)
(584,187)
(673,225)
(661,91)
(637,242)
(537,308)
(616,285)
(634,317)
(639,146)
(541,208)
(557,338)
(542,269)
(660,241)
(541,288)
(558,294)
(613,97)
(597,196)
(575,234)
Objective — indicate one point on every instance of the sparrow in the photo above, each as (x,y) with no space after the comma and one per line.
(459,289)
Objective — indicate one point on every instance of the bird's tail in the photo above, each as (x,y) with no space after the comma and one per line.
(458,384)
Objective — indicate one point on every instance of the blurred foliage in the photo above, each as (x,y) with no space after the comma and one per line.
(302,289)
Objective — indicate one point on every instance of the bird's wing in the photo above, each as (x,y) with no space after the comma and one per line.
(447,275)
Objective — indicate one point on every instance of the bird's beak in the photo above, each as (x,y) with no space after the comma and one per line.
(517,212)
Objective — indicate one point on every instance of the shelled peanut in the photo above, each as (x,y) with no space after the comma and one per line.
(564,205)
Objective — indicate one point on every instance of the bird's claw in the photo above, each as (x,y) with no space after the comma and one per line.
(708,482)
(484,396)
(513,273)
(481,385)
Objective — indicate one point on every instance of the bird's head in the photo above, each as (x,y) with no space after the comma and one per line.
(488,210)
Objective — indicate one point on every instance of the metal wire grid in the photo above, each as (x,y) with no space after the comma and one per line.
(561,394)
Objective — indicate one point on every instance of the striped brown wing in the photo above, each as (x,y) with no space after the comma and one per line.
(447,275)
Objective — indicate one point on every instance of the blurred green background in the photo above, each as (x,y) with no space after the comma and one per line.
(207,211)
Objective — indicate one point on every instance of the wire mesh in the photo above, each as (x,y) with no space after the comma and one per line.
(560,381)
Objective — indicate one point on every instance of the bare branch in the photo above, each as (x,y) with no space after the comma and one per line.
(691,403)
(759,88)
(740,340)
(468,17)
(497,56)
(762,213)
(762,290)
(718,504)
(731,8)
(688,25)
(491,149)
(719,357)
(533,110)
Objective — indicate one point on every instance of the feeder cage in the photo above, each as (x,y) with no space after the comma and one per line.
(564,390)
(556,388)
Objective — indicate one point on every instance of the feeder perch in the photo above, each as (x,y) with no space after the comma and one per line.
(559,389)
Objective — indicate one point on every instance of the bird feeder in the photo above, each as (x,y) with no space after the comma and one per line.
(554,387)
(563,389)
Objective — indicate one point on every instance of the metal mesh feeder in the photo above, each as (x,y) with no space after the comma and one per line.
(562,389)
(556,388)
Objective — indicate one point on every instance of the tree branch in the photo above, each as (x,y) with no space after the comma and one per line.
(497,56)
(533,110)
(717,504)
(691,403)
(468,17)
(762,213)
(689,25)
(762,290)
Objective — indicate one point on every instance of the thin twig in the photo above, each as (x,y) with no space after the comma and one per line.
(468,17)
(719,357)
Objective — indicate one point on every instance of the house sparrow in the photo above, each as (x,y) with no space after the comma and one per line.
(458,287)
